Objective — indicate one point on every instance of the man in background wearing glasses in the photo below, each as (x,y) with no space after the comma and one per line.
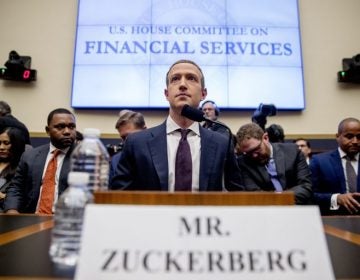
(272,166)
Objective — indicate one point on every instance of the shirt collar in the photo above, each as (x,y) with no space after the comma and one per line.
(271,150)
(53,148)
(172,126)
(343,154)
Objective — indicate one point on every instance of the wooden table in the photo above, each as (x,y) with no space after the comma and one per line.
(25,239)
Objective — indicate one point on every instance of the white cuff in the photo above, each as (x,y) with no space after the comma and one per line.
(333,204)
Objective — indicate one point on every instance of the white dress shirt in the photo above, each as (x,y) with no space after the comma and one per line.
(173,138)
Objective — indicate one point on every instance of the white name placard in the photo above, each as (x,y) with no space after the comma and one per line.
(203,242)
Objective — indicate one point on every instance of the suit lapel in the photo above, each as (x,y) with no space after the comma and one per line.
(337,169)
(38,166)
(158,151)
(279,158)
(207,158)
(65,168)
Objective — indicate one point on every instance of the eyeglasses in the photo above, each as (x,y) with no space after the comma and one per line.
(254,150)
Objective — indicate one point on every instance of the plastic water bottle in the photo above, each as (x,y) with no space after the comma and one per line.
(68,218)
(91,156)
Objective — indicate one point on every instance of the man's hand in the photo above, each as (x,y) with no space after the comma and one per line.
(2,195)
(350,201)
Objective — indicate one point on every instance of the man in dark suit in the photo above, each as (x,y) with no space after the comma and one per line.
(127,123)
(332,188)
(305,147)
(24,192)
(272,166)
(149,157)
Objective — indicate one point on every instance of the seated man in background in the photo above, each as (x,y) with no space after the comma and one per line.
(212,112)
(335,174)
(128,122)
(179,154)
(41,175)
(304,146)
(272,166)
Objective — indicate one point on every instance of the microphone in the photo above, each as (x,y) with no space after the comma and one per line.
(193,114)
(198,116)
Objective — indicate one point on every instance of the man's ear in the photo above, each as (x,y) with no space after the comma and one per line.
(266,136)
(166,93)
(47,129)
(203,94)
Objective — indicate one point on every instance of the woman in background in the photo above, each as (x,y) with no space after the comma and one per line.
(12,146)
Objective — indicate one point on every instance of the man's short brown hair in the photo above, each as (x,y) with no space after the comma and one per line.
(128,116)
(249,130)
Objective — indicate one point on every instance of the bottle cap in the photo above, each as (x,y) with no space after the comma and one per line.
(76,177)
(91,132)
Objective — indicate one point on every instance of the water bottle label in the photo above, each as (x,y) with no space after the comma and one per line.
(98,168)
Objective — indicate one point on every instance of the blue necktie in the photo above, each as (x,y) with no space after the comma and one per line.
(271,169)
(183,164)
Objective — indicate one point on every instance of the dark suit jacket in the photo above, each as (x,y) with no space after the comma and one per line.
(24,190)
(328,178)
(292,170)
(113,164)
(216,127)
(143,162)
